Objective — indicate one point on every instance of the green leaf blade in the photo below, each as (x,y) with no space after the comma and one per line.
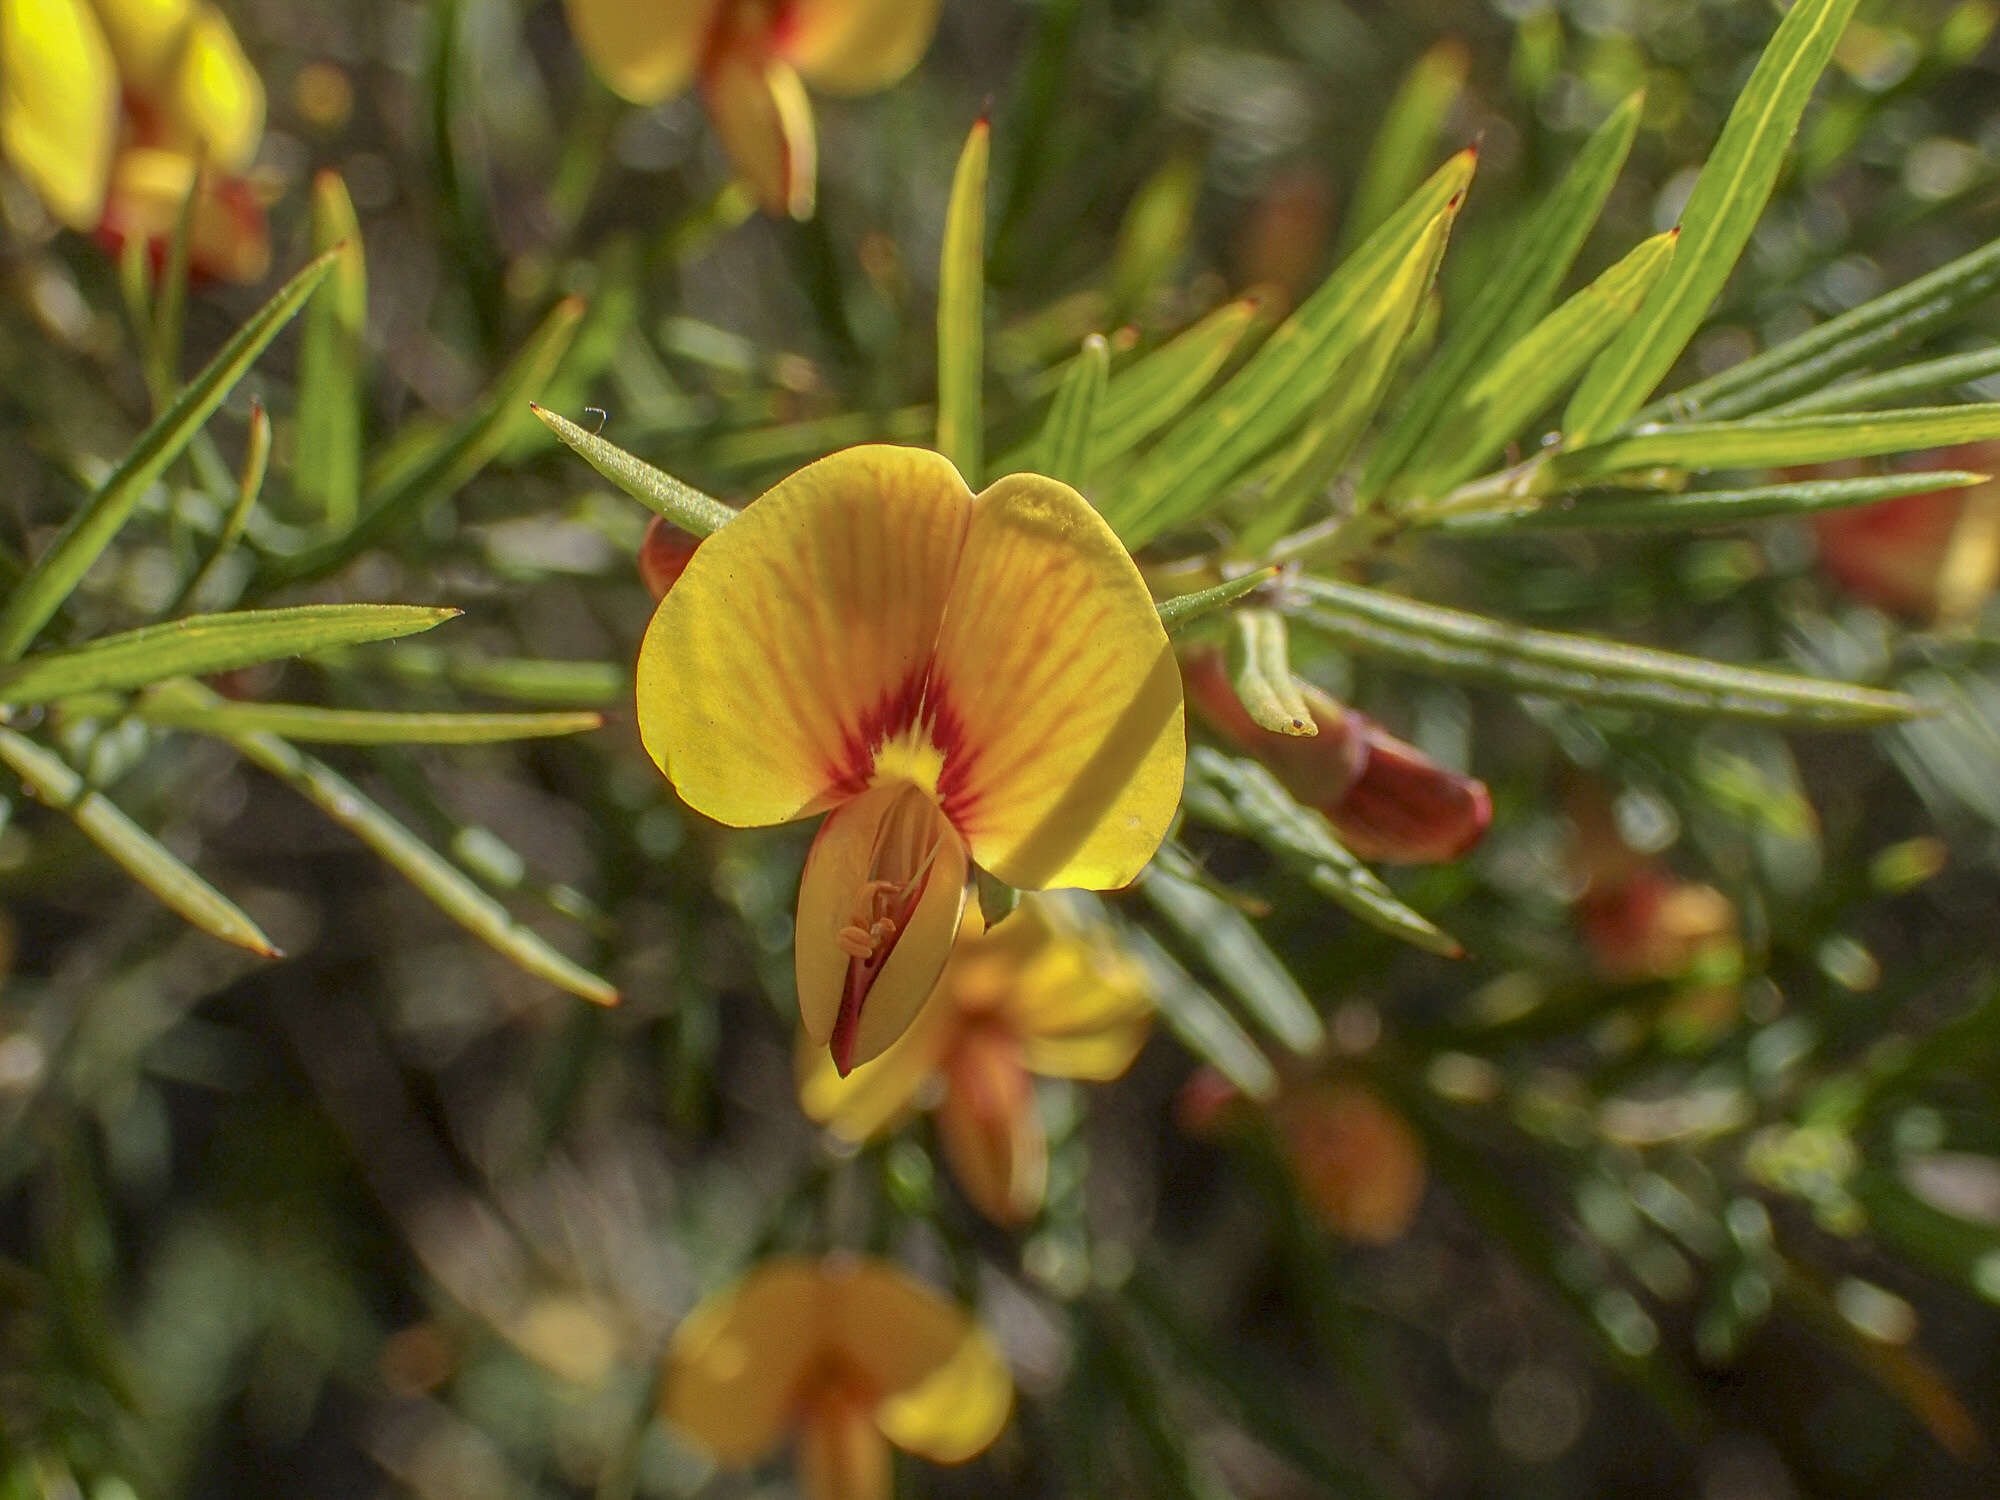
(345,726)
(1232,950)
(962,312)
(136,851)
(327,470)
(1065,449)
(1473,648)
(661,493)
(202,644)
(1728,199)
(1702,508)
(1775,443)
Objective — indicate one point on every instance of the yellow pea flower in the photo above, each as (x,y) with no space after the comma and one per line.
(850,1354)
(952,678)
(749,58)
(1037,995)
(109,107)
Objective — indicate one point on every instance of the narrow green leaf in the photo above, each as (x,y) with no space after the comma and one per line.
(1154,234)
(1707,507)
(1234,953)
(962,311)
(1778,443)
(56,572)
(327,470)
(1258,807)
(1183,609)
(1157,387)
(537,680)
(451,461)
(163,346)
(1304,471)
(661,493)
(141,855)
(351,726)
(1286,378)
(1728,199)
(1895,320)
(1450,643)
(1064,450)
(202,644)
(1202,1022)
(1527,269)
(1405,140)
(249,485)
(1495,408)
(1260,669)
(1893,385)
(430,872)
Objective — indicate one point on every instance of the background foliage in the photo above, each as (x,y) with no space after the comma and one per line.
(398,1215)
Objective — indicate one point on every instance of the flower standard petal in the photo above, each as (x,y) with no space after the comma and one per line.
(58,104)
(760,110)
(944,1388)
(735,1368)
(213,98)
(1057,698)
(800,634)
(857,46)
(646,52)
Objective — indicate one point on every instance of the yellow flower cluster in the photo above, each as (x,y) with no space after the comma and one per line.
(109,108)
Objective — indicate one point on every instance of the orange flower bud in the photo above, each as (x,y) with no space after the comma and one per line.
(1930,556)
(1385,798)
(1358,1164)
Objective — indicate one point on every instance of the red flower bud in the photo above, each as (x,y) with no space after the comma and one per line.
(664,554)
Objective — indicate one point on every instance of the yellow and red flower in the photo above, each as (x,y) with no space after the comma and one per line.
(1385,798)
(1038,995)
(752,59)
(953,678)
(848,1354)
(110,108)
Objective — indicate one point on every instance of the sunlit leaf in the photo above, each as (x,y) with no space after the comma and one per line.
(327,470)
(661,493)
(1065,450)
(1727,201)
(1774,443)
(962,312)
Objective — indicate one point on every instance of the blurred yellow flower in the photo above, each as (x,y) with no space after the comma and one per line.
(1037,995)
(749,57)
(846,1353)
(109,107)
(953,678)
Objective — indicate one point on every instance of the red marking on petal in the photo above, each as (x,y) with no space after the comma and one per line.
(876,725)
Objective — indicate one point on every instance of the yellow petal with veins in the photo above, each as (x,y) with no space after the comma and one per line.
(798,638)
(944,1387)
(1058,696)
(58,104)
(760,110)
(857,46)
(888,867)
(735,1366)
(646,52)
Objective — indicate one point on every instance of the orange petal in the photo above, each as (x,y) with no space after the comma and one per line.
(1056,695)
(991,1128)
(799,635)
(646,52)
(842,1455)
(857,46)
(761,112)
(735,1366)
(887,857)
(945,1390)
(58,104)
